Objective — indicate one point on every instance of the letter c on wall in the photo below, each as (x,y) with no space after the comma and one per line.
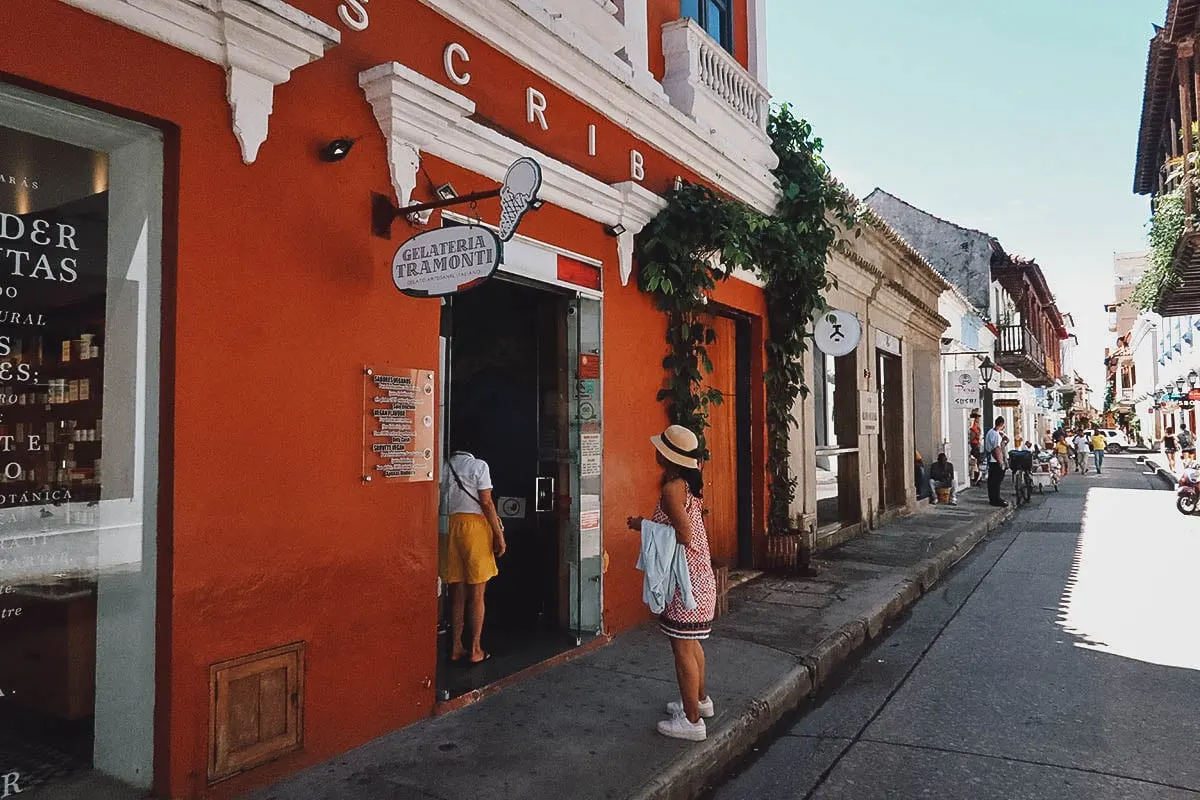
(455,49)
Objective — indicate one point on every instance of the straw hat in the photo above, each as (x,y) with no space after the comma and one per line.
(679,446)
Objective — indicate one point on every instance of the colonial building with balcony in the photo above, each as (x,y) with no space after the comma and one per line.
(269,587)
(1010,292)
(1166,165)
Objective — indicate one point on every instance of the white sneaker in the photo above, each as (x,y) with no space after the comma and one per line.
(681,728)
(675,708)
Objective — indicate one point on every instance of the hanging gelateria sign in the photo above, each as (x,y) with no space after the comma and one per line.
(446,260)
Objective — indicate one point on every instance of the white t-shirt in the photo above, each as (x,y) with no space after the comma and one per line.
(990,442)
(475,476)
(1082,445)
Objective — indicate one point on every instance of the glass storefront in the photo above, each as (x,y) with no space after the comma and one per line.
(80,217)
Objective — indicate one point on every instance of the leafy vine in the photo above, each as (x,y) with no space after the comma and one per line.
(700,238)
(1166,226)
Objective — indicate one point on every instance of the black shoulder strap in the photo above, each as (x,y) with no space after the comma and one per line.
(458,480)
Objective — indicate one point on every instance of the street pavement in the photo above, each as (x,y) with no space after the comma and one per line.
(1059,660)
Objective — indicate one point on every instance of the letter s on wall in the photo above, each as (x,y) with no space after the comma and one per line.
(455,49)
(354,14)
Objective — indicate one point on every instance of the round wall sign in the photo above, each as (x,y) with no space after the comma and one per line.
(837,332)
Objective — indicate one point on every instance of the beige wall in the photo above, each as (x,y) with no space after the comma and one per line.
(891,291)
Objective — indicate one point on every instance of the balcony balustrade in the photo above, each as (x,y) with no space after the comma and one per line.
(709,85)
(1020,352)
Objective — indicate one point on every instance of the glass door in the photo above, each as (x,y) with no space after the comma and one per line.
(584,554)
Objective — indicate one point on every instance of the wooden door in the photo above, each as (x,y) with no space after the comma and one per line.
(721,471)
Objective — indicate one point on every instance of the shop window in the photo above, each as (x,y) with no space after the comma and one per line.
(80,211)
(715,16)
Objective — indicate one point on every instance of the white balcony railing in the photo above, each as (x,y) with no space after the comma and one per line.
(708,84)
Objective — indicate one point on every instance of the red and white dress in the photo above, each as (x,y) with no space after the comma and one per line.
(675,620)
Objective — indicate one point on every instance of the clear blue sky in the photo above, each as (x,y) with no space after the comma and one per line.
(1017,117)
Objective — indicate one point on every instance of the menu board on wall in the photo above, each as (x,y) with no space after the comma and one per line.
(398,425)
(54,211)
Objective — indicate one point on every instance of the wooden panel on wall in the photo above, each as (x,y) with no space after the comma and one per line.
(256,709)
(720,473)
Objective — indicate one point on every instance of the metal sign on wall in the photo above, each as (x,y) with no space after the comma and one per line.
(868,413)
(964,388)
(398,411)
(837,333)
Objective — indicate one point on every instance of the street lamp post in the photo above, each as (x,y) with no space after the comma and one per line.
(986,371)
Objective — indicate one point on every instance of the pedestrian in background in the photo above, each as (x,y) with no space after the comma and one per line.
(1170,447)
(1099,445)
(681,506)
(1062,452)
(1082,450)
(994,444)
(1187,444)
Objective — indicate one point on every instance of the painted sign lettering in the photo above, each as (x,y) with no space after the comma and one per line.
(445,260)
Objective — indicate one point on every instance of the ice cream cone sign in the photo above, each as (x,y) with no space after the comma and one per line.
(518,194)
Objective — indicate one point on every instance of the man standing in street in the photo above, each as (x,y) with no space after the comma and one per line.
(1083,449)
(994,444)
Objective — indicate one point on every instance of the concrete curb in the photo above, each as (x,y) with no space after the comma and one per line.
(1162,473)
(687,776)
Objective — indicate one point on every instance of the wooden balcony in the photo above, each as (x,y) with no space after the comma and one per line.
(1184,297)
(1020,352)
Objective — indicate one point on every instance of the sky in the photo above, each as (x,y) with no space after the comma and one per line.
(1018,118)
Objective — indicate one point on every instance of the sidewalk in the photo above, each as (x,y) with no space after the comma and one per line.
(585,729)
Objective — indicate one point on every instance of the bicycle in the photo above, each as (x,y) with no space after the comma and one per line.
(1021,462)
(1023,485)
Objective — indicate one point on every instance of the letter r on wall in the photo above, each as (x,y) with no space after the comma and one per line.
(535,107)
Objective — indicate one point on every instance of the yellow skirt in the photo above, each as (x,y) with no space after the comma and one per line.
(469,556)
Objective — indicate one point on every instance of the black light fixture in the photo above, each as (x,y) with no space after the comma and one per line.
(986,370)
(336,150)
(446,191)
(615,230)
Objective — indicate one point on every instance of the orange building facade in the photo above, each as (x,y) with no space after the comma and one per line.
(215,594)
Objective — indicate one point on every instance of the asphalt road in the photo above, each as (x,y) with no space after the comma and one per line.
(1060,660)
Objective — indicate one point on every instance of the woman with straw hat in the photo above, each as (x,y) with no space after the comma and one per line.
(681,506)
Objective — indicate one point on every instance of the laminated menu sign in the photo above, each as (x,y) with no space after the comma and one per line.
(398,425)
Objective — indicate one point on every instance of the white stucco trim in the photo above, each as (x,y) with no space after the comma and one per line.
(572,61)
(418,115)
(257,42)
(756,12)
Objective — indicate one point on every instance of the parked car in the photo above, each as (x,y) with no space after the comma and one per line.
(1117,441)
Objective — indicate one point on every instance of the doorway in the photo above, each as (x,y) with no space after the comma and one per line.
(727,473)
(892,489)
(509,350)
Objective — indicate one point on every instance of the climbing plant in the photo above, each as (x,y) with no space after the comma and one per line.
(701,237)
(1166,226)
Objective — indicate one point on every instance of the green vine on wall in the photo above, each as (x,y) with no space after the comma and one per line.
(1166,226)
(700,238)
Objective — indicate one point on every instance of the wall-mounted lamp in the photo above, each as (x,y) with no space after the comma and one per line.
(446,191)
(536,204)
(987,370)
(614,230)
(336,150)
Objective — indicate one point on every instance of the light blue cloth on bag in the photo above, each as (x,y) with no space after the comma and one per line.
(665,563)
